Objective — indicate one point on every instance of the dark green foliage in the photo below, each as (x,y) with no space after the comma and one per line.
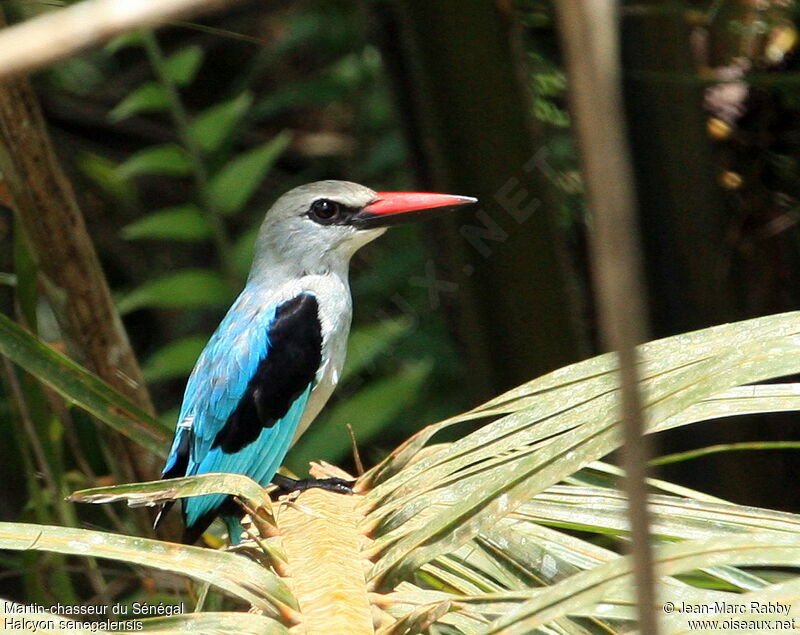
(186,150)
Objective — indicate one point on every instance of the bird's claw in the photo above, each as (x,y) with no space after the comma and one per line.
(288,485)
(335,485)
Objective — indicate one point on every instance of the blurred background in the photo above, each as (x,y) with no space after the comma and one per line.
(178,142)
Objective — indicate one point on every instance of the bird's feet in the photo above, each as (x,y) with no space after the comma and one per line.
(288,485)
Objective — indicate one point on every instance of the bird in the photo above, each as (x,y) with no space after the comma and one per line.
(277,355)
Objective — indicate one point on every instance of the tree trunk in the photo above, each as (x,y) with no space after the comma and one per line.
(503,279)
(45,204)
(683,217)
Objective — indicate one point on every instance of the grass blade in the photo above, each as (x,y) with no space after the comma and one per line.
(77,385)
(154,492)
(230,572)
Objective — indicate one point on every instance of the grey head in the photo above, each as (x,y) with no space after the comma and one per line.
(307,228)
(316,228)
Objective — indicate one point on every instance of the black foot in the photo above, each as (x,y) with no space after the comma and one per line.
(288,485)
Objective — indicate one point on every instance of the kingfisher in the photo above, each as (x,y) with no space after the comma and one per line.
(278,353)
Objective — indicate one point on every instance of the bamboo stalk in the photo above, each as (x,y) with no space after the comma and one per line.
(58,34)
(590,36)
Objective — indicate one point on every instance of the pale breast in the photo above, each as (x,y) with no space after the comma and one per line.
(335,314)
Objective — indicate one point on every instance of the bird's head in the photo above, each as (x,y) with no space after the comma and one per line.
(319,226)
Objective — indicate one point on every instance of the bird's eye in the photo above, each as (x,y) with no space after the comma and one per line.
(324,210)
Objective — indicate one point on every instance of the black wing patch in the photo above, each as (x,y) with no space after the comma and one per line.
(181,456)
(293,357)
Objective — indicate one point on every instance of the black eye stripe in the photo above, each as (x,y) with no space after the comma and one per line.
(329,212)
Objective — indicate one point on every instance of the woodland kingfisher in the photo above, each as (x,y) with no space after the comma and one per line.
(278,353)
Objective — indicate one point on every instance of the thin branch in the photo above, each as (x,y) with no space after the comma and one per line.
(56,486)
(42,464)
(589,32)
(356,454)
(78,454)
(58,34)
(750,446)
(180,118)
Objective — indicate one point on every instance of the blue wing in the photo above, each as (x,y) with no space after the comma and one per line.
(245,398)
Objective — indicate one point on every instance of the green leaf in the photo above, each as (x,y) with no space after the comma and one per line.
(607,475)
(237,181)
(212,127)
(604,510)
(182,222)
(369,411)
(591,587)
(79,386)
(187,289)
(182,66)
(580,384)
(564,427)
(550,555)
(214,622)
(408,600)
(230,572)
(176,359)
(149,97)
(153,492)
(547,554)
(104,172)
(166,160)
